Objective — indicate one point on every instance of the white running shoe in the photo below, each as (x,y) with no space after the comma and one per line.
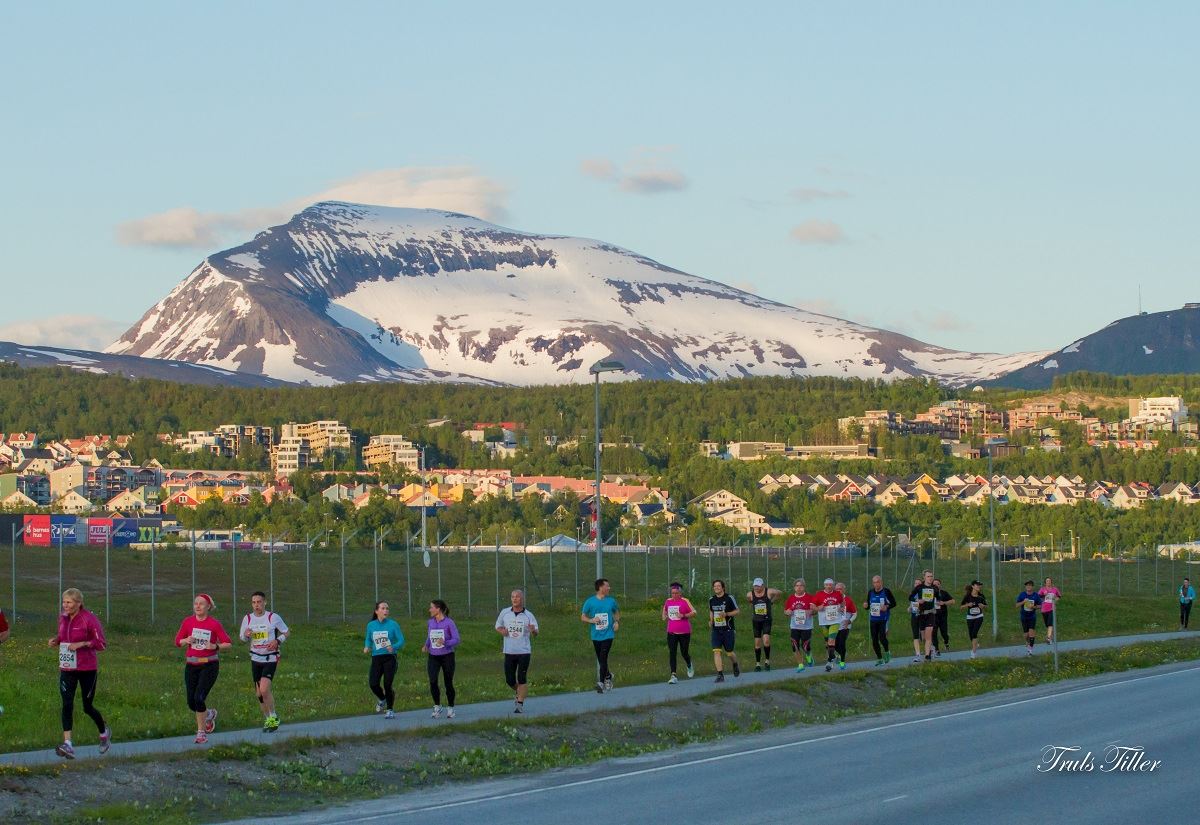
(437,712)
(691,673)
(450,713)
(380,706)
(673,680)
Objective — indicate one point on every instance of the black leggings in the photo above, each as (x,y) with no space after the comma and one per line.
(879,638)
(198,680)
(1185,610)
(973,626)
(86,680)
(516,669)
(445,664)
(383,668)
(680,641)
(839,643)
(942,626)
(602,647)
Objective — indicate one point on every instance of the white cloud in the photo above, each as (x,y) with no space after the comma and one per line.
(648,174)
(450,188)
(941,321)
(70,331)
(598,168)
(818,232)
(806,194)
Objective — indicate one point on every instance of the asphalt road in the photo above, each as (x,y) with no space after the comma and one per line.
(974,759)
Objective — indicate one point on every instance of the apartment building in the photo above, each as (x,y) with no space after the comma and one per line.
(391,449)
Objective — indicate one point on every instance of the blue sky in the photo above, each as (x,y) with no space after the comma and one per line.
(994,177)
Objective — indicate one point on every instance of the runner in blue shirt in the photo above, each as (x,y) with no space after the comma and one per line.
(604,616)
(1028,602)
(880,602)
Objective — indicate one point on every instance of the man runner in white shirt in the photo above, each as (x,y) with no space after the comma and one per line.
(265,631)
(518,627)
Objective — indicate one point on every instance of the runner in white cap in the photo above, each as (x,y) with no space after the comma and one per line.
(761,598)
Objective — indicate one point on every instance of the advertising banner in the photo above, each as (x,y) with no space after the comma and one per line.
(99,531)
(37,531)
(124,532)
(63,527)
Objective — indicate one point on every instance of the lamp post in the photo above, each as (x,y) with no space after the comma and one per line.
(595,370)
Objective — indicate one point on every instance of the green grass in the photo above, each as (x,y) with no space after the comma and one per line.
(323,674)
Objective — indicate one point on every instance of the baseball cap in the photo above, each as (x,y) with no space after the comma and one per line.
(758,582)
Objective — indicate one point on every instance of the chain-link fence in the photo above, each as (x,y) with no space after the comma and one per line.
(336,580)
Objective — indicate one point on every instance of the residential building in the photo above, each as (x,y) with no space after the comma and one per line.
(391,449)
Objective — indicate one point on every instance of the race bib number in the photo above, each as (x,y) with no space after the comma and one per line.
(760,608)
(876,608)
(201,638)
(801,619)
(602,621)
(1048,598)
(831,614)
(516,630)
(381,639)
(927,594)
(437,638)
(718,618)
(974,612)
(673,613)
(1029,604)
(259,635)
(914,607)
(67,659)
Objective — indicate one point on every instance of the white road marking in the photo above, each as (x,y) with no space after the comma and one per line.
(894,798)
(752,751)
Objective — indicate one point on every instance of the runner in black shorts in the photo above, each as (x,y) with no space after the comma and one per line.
(914,619)
(265,631)
(974,603)
(761,597)
(1027,604)
(721,610)
(926,594)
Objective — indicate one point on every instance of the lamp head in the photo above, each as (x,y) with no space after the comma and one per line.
(606,365)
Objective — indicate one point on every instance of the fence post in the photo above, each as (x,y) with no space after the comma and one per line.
(598,540)
(152,585)
(647,582)
(107,584)
(408,570)
(551,557)
(270,568)
(233,564)
(469,574)
(624,571)
(14,569)
(60,574)
(193,564)
(375,553)
(308,578)
(497,575)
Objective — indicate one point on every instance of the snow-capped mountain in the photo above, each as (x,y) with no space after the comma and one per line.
(346,292)
(1149,343)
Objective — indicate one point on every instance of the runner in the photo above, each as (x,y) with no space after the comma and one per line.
(914,619)
(677,612)
(440,640)
(604,615)
(926,595)
(518,627)
(799,607)
(204,638)
(1051,596)
(942,626)
(1027,604)
(974,603)
(382,641)
(265,631)
(80,637)
(4,631)
(1187,595)
(721,610)
(880,602)
(761,598)
(829,604)
(849,614)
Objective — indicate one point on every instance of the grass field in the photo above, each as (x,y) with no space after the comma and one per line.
(324,671)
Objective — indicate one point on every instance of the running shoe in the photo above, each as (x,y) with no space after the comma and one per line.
(391,714)
(887,656)
(972,654)
(757,668)
(106,739)
(599,687)
(879,663)
(828,667)
(673,680)
(272,723)
(691,671)
(1029,651)
(450,713)
(800,667)
(720,677)
(519,707)
(380,706)
(766,665)
(808,658)
(66,750)
(841,665)
(201,738)
(437,712)
(608,683)
(210,720)
(937,651)
(737,671)
(928,658)
(916,660)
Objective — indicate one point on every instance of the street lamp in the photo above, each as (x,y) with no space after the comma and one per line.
(604,365)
